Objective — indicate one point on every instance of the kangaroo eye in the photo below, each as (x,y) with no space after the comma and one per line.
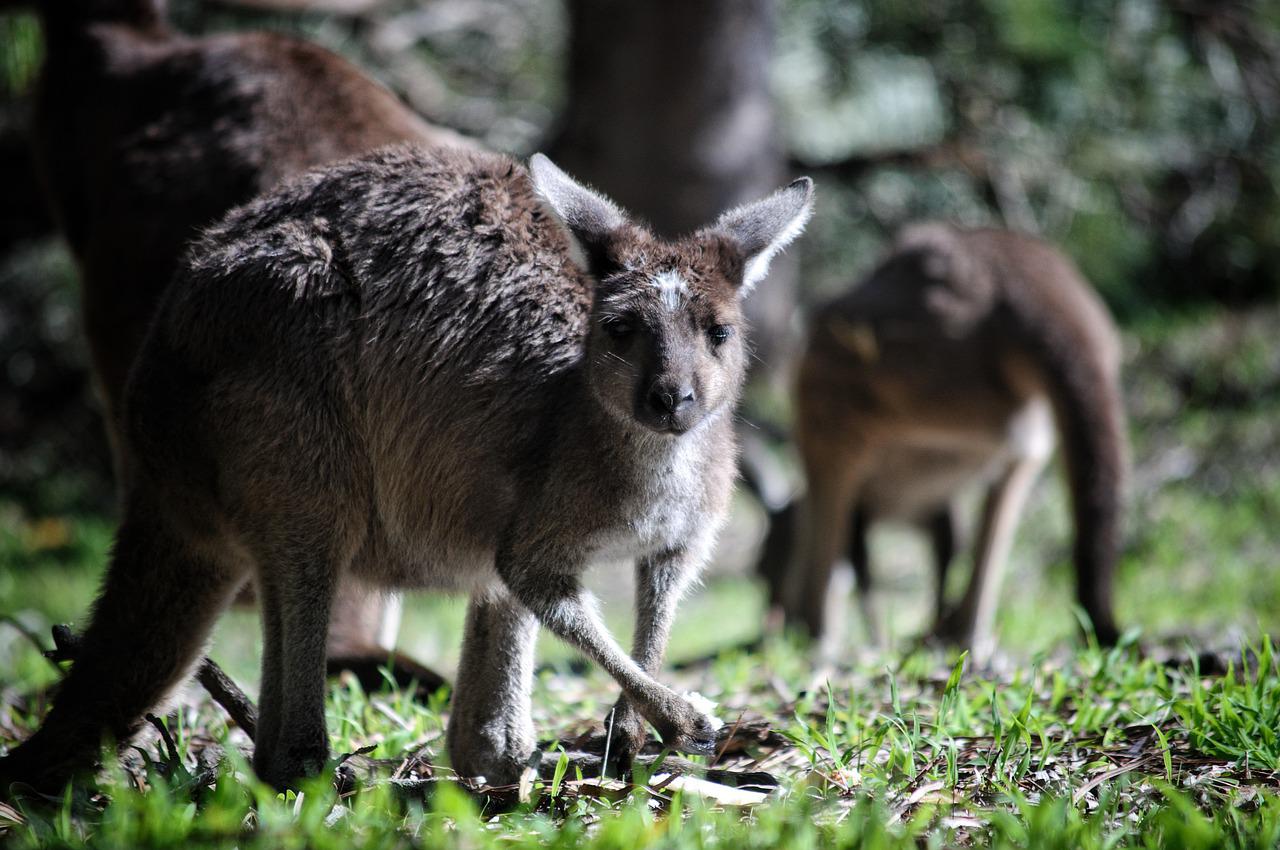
(618,328)
(719,334)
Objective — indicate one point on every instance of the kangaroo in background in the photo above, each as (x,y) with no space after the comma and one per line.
(948,367)
(412,369)
(143,136)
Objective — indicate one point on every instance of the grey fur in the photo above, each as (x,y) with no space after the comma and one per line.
(589,217)
(393,368)
(765,228)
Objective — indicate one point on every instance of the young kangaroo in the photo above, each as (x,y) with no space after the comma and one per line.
(948,367)
(144,136)
(424,368)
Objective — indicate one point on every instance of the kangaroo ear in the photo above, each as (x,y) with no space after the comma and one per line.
(763,228)
(588,217)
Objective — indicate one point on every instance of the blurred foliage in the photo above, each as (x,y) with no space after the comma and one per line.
(20,52)
(53,452)
(1141,135)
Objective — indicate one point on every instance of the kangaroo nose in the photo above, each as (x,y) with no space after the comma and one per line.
(670,398)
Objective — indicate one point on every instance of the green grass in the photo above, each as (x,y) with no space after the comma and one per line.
(1056,743)
(914,755)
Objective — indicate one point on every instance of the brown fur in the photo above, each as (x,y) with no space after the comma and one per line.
(939,372)
(144,136)
(394,369)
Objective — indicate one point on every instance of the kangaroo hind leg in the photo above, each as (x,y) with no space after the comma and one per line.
(972,623)
(834,474)
(297,578)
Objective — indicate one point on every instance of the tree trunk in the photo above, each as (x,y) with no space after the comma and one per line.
(670,113)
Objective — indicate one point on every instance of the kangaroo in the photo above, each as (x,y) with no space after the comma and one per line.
(424,368)
(947,368)
(143,136)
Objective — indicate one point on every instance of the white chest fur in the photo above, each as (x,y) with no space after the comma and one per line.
(667,507)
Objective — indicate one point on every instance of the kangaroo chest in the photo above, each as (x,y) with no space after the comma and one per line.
(596,503)
(658,506)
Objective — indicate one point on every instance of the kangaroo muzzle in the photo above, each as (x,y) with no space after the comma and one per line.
(670,405)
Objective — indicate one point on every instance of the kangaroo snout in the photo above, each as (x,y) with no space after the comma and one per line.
(670,406)
(667,398)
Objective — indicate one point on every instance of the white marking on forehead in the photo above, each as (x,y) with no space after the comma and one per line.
(671,288)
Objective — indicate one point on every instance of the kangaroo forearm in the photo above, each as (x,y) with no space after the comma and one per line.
(562,607)
(649,647)
(654,618)
(660,583)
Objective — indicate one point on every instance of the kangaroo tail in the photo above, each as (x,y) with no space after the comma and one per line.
(1074,344)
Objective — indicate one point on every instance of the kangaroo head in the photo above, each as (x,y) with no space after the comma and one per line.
(666,346)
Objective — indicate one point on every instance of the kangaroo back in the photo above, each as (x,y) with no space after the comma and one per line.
(144,136)
(1062,325)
